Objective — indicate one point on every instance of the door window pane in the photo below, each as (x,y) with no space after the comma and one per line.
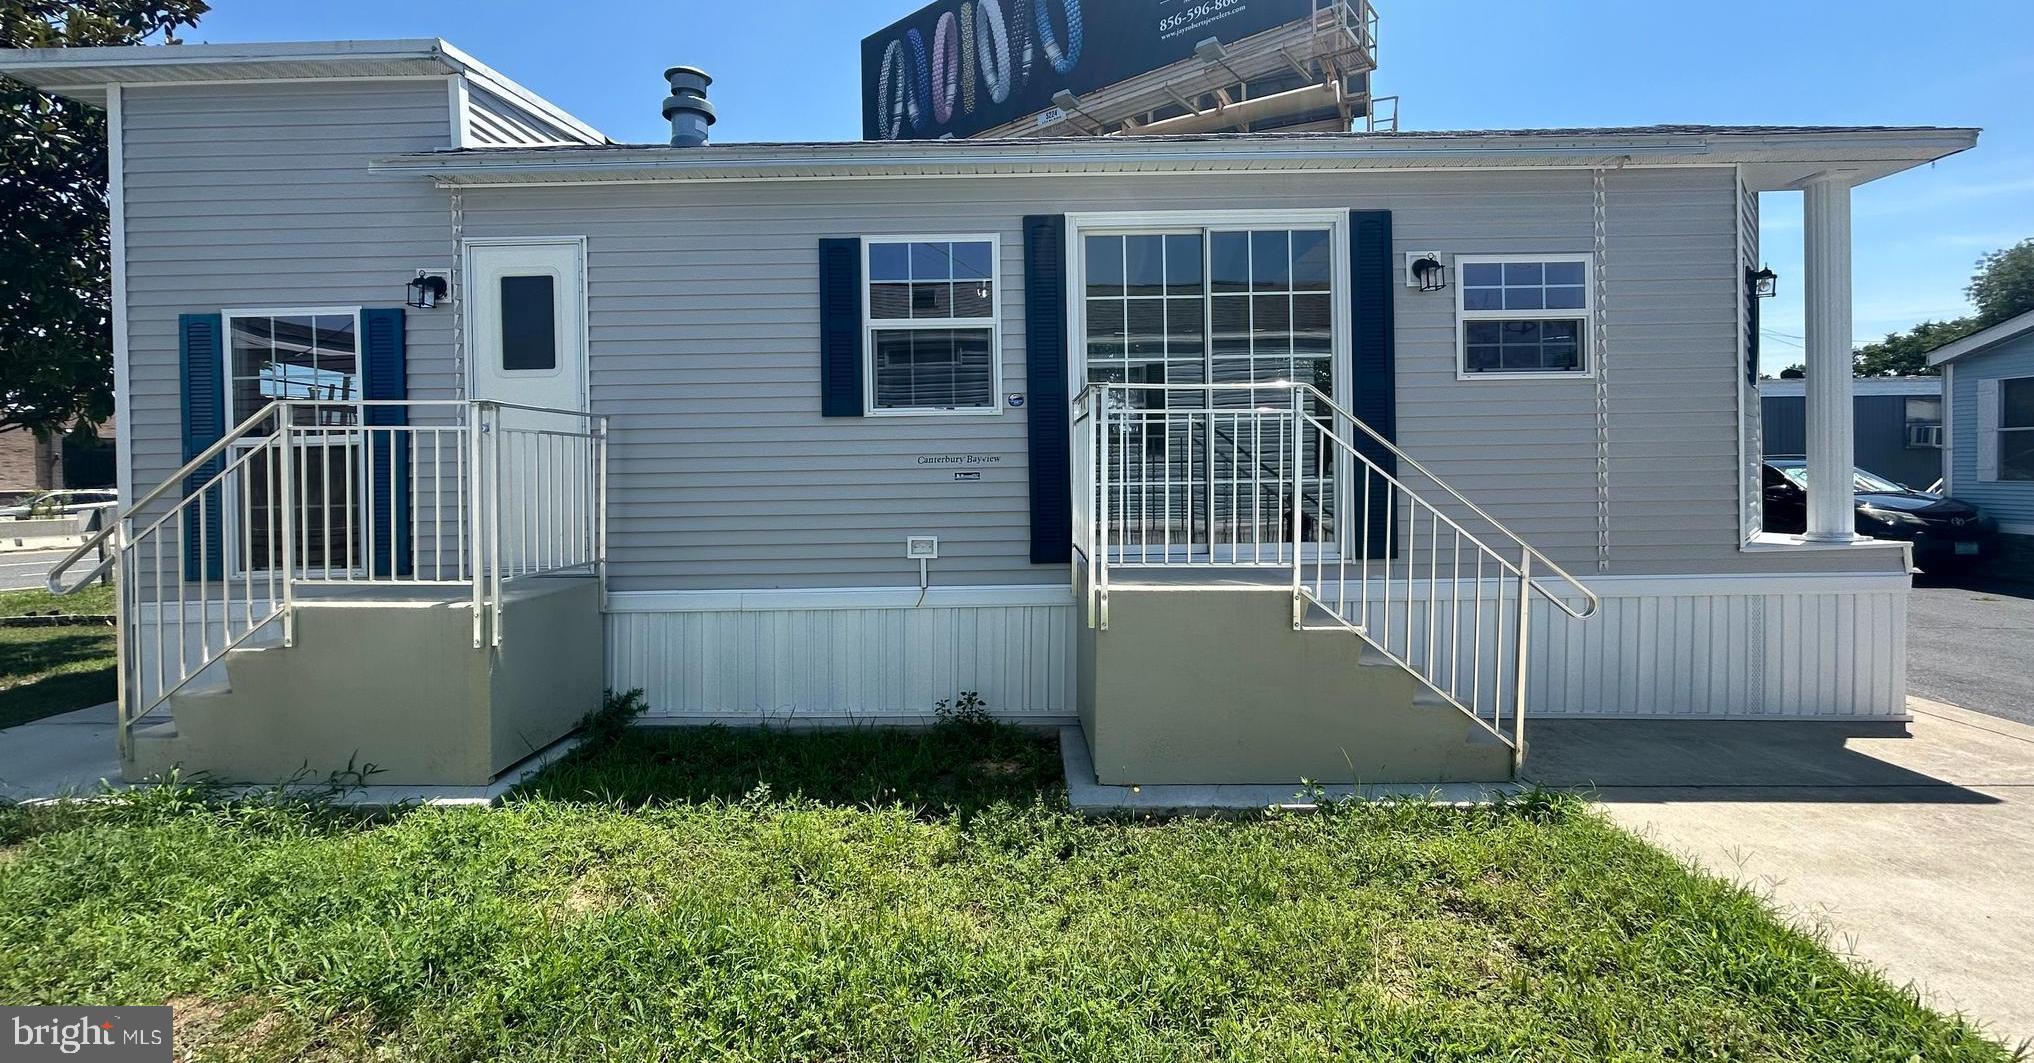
(529,323)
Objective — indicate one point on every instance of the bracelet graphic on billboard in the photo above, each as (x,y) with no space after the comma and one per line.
(958,67)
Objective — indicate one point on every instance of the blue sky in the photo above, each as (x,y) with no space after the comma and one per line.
(789,71)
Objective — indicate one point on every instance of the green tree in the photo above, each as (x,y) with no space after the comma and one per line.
(2004,285)
(56,356)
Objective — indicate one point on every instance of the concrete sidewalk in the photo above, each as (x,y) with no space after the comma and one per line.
(60,756)
(1915,853)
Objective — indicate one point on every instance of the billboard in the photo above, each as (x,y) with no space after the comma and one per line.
(958,67)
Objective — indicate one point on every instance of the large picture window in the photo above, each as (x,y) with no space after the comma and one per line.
(2016,429)
(933,344)
(1196,305)
(1522,316)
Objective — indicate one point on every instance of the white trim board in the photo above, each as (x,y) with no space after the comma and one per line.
(116,205)
(761,601)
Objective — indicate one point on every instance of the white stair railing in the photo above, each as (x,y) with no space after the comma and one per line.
(1279,476)
(317,498)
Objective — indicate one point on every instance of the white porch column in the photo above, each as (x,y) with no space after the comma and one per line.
(1826,290)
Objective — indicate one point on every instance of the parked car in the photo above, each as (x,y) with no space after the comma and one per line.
(1942,529)
(59,504)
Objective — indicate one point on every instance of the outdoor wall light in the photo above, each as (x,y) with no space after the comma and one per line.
(1431,275)
(1764,283)
(427,290)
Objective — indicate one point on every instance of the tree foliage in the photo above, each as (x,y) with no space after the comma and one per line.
(2002,288)
(2004,285)
(56,356)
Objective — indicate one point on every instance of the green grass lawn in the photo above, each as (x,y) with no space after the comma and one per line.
(883,896)
(48,670)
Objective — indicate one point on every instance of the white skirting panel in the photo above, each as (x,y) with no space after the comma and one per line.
(835,656)
(1737,646)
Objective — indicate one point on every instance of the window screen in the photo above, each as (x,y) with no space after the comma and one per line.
(529,323)
(932,334)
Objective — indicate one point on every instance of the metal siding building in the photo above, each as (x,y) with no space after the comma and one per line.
(1884,443)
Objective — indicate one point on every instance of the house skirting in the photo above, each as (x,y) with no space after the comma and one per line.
(1681,647)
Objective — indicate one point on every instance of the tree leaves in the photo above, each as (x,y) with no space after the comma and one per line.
(56,361)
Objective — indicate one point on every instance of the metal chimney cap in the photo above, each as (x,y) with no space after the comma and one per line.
(689,73)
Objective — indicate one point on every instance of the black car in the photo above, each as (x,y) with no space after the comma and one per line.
(1941,529)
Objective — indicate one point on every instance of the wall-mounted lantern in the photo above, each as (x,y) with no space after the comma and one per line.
(1425,272)
(1763,282)
(427,290)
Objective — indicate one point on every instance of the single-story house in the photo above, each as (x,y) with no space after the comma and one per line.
(1897,423)
(1258,455)
(1989,379)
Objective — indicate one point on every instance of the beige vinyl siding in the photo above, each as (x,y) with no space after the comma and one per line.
(251,196)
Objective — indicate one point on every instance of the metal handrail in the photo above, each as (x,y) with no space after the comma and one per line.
(1582,590)
(417,504)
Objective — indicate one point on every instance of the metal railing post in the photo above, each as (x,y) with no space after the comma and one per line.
(123,684)
(476,553)
(1298,501)
(600,513)
(494,432)
(286,500)
(1520,663)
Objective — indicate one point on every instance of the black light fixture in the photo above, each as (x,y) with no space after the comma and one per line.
(1433,276)
(427,290)
(1763,282)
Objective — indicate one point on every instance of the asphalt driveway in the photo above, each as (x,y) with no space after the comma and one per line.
(1972,644)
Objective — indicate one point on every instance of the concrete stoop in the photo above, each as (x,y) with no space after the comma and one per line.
(394,689)
(1212,685)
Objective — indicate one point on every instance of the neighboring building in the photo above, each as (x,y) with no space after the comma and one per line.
(30,465)
(1898,425)
(1990,383)
(831,432)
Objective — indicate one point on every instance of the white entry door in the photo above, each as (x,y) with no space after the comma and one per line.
(526,320)
(526,324)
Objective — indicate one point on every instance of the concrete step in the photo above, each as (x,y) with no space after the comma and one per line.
(156,731)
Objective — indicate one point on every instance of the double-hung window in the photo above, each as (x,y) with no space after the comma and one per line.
(933,345)
(1523,315)
(2016,429)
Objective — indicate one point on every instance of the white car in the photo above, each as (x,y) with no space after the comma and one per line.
(60,504)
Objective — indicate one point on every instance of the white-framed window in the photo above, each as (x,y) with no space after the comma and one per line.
(310,354)
(932,343)
(2016,429)
(1523,316)
(1923,415)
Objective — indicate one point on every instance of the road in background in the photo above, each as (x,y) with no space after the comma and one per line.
(27,569)
(1972,644)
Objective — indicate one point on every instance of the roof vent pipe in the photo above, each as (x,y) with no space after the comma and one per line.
(687,107)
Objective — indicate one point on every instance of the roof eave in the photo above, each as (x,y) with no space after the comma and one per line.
(1982,340)
(1868,155)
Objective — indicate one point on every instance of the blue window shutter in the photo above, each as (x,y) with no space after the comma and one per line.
(840,327)
(1373,350)
(1045,368)
(385,375)
(200,347)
